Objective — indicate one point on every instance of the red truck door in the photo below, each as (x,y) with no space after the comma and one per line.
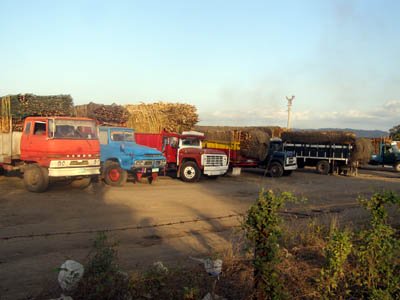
(33,139)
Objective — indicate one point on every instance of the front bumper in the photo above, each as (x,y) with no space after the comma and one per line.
(70,172)
(147,171)
(290,168)
(213,171)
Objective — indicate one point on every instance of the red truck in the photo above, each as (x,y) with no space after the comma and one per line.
(185,155)
(50,148)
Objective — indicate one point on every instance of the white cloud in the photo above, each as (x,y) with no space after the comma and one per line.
(379,117)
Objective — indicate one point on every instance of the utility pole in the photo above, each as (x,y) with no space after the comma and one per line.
(289,105)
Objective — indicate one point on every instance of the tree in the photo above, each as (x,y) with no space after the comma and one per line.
(395,132)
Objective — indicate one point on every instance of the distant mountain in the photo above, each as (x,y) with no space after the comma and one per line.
(362,132)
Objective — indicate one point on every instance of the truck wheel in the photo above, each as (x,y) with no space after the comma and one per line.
(323,167)
(275,169)
(82,183)
(114,175)
(397,167)
(36,179)
(190,172)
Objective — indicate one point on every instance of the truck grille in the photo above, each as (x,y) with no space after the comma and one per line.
(213,160)
(152,155)
(290,160)
(148,163)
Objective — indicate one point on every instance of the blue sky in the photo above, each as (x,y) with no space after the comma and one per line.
(235,60)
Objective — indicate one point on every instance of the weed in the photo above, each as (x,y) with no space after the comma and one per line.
(332,284)
(102,278)
(378,253)
(262,228)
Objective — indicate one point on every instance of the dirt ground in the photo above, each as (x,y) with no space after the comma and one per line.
(34,228)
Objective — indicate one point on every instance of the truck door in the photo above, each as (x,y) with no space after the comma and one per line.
(34,140)
(388,155)
(170,148)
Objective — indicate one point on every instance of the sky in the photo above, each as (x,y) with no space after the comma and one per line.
(236,61)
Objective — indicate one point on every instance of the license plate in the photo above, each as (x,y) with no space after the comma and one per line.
(155,170)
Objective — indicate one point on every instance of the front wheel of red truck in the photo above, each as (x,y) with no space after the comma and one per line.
(36,179)
(114,175)
(190,172)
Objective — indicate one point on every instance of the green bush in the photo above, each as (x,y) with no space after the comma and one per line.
(262,226)
(333,284)
(102,278)
(377,273)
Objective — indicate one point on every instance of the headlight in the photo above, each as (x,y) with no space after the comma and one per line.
(139,163)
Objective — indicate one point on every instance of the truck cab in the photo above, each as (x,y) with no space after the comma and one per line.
(52,147)
(185,154)
(389,154)
(120,155)
(278,161)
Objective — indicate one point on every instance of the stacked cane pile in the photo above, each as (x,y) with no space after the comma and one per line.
(18,107)
(111,115)
(155,117)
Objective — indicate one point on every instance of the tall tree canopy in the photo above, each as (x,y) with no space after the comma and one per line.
(395,132)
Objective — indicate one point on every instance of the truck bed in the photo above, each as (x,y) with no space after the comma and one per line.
(10,146)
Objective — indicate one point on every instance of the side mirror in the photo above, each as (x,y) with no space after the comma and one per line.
(122,147)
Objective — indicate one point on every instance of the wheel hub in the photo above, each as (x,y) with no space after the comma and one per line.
(189,172)
(114,175)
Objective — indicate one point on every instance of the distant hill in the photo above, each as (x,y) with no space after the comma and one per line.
(362,132)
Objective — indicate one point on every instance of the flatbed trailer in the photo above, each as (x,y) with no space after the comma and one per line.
(232,150)
(326,158)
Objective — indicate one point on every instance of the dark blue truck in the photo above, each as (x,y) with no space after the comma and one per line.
(120,156)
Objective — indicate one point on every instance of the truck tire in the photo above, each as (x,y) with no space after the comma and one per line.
(397,166)
(82,183)
(190,172)
(36,179)
(114,175)
(275,169)
(323,167)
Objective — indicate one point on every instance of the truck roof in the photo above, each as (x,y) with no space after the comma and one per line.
(59,118)
(104,128)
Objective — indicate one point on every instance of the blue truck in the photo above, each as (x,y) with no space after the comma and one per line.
(388,154)
(120,156)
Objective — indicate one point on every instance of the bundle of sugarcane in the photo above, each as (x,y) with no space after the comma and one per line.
(254,141)
(226,133)
(114,115)
(254,144)
(362,151)
(20,106)
(320,137)
(155,117)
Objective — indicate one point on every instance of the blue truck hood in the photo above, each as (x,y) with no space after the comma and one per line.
(139,150)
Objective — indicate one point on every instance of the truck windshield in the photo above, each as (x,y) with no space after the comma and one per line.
(190,141)
(72,129)
(395,148)
(122,136)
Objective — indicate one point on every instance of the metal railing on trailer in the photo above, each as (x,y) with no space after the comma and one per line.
(325,157)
